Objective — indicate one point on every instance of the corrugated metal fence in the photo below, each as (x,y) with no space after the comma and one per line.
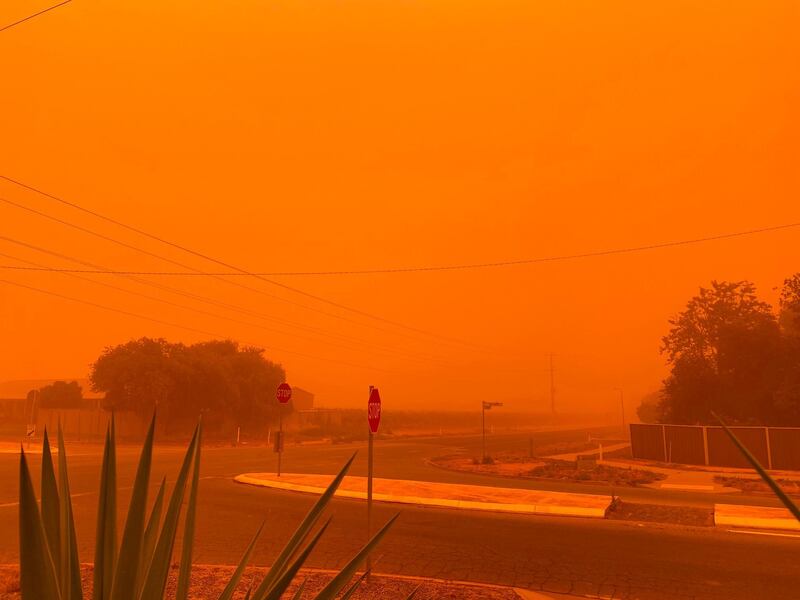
(774,447)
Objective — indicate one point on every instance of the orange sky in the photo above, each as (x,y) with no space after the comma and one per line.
(326,135)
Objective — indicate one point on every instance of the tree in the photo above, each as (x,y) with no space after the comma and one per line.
(790,306)
(649,410)
(61,394)
(787,396)
(726,354)
(228,384)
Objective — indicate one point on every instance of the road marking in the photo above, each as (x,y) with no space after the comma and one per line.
(790,535)
(10,504)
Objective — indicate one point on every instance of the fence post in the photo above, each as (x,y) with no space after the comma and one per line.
(705,443)
(769,450)
(664,439)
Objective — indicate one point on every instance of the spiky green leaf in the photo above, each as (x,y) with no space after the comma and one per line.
(352,589)
(302,531)
(37,578)
(185,570)
(50,504)
(151,535)
(70,570)
(288,574)
(793,508)
(156,578)
(227,593)
(340,580)
(413,592)
(105,550)
(299,591)
(130,550)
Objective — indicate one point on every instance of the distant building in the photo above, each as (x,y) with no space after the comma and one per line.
(302,399)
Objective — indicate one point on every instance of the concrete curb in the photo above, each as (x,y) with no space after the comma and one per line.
(564,509)
(756,517)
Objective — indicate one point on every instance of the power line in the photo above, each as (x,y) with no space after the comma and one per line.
(380,348)
(34,15)
(185,327)
(458,267)
(234,267)
(180,264)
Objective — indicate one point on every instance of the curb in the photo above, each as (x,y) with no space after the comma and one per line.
(757,517)
(530,509)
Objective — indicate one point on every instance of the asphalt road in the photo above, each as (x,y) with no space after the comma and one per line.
(585,556)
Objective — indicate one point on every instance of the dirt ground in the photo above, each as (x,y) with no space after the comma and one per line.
(656,513)
(209,581)
(515,465)
(757,486)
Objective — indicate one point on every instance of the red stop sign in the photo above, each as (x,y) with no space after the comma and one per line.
(374,410)
(284,393)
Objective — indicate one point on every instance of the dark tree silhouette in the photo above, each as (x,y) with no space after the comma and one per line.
(727,354)
(61,394)
(228,384)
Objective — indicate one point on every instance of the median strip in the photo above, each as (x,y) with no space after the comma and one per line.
(443,495)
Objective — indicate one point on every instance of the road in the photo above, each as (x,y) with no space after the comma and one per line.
(626,559)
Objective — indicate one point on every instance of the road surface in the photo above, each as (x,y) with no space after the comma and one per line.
(585,556)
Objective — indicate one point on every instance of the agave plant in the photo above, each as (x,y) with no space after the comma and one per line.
(138,567)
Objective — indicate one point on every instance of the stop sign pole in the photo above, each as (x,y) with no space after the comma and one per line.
(283,394)
(374,420)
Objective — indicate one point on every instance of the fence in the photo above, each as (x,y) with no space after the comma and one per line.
(89,424)
(774,447)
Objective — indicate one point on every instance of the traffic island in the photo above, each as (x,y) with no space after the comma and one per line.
(582,468)
(758,517)
(443,495)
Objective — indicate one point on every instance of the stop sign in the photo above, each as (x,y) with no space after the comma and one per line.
(374,410)
(284,393)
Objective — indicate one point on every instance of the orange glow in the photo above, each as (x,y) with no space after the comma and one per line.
(325,135)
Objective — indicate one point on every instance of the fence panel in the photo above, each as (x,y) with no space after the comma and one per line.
(647,442)
(784,445)
(685,444)
(723,453)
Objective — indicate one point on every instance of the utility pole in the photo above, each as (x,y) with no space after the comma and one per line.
(484,407)
(622,408)
(552,385)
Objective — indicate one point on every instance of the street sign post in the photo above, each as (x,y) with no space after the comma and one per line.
(283,395)
(374,420)
(484,407)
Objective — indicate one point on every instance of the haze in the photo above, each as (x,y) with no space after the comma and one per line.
(316,136)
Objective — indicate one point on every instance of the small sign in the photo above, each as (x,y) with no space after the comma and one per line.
(278,443)
(374,410)
(284,393)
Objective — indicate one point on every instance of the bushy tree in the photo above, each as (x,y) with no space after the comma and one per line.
(787,396)
(727,354)
(790,306)
(226,383)
(649,409)
(61,394)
